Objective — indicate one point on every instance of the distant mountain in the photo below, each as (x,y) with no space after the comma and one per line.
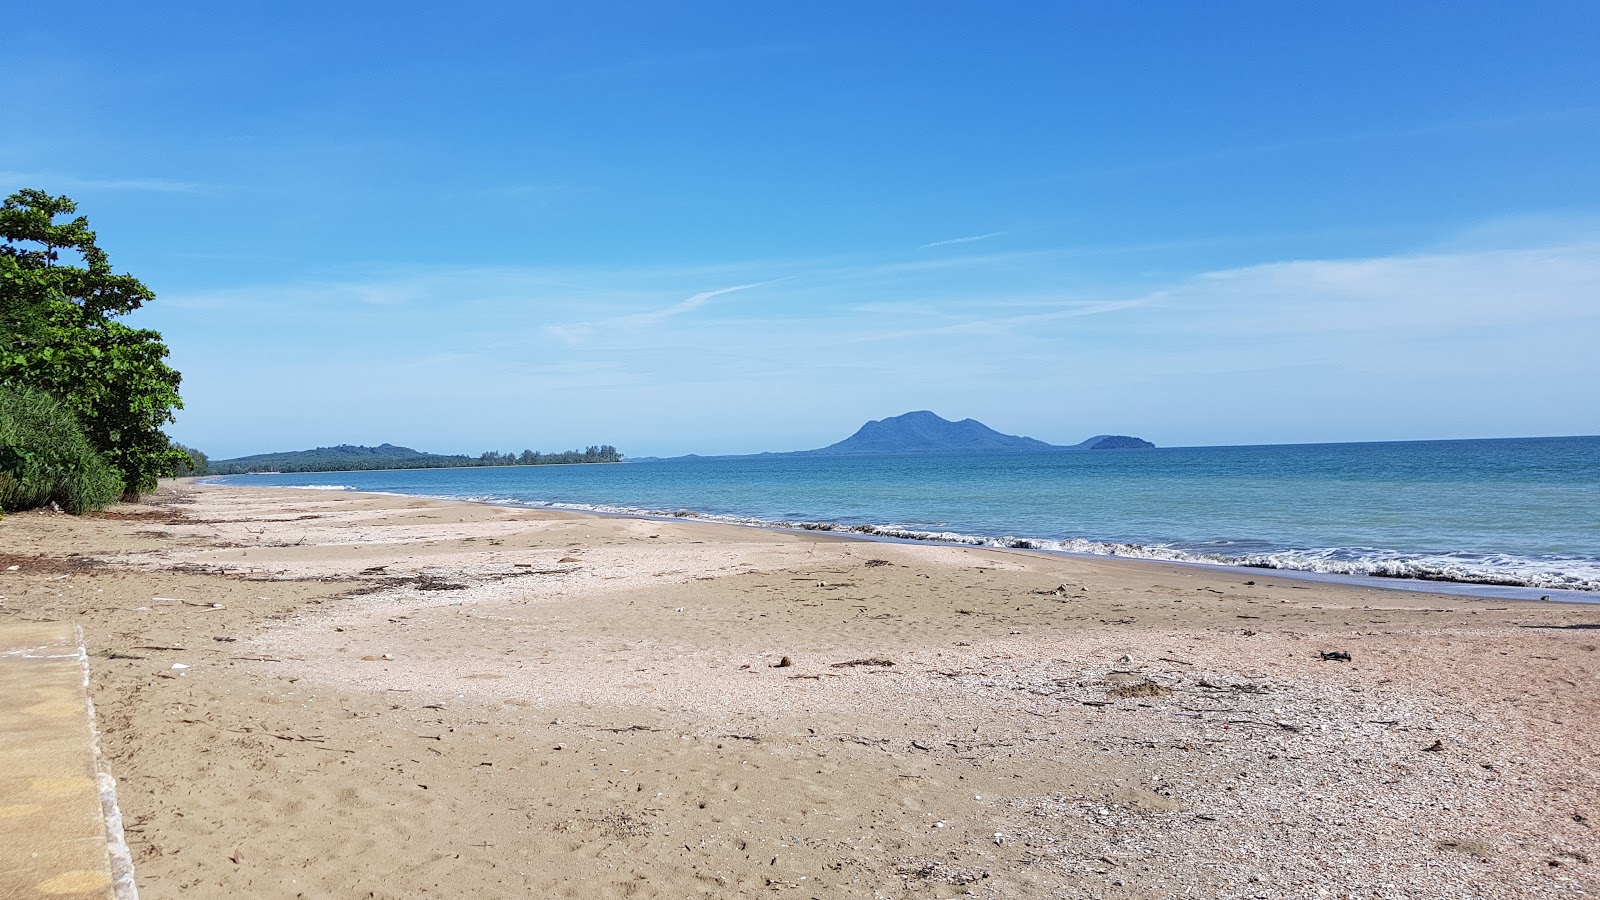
(925,432)
(354,458)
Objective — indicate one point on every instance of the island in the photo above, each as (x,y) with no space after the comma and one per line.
(355,458)
(923,431)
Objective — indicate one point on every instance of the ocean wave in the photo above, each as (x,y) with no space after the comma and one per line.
(1501,570)
(1549,573)
(325,487)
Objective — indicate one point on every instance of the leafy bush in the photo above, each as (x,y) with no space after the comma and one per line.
(45,457)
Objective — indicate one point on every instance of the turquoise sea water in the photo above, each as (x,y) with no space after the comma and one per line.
(1522,512)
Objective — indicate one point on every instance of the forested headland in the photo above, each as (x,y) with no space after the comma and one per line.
(351,458)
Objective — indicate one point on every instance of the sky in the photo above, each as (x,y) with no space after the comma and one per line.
(734,227)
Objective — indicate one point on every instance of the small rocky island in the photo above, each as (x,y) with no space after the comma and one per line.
(926,432)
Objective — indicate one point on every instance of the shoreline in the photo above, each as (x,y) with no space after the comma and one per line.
(884,534)
(337,694)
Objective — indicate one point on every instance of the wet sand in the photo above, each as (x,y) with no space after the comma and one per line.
(394,697)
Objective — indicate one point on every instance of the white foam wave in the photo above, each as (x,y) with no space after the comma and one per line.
(324,487)
(1505,570)
(1552,573)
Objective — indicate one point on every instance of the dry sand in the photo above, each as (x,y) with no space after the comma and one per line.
(392,697)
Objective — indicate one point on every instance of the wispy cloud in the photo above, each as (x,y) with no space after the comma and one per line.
(1014,312)
(319,298)
(48,181)
(962,240)
(573,333)
(677,309)
(1003,326)
(1316,308)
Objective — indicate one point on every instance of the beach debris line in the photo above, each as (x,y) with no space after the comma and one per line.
(932,870)
(422,581)
(187,602)
(1141,688)
(1336,656)
(872,661)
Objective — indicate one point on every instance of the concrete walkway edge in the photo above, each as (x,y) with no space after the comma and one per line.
(61,831)
(123,886)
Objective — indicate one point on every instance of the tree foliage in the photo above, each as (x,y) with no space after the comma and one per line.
(349,458)
(594,453)
(58,333)
(45,458)
(195,462)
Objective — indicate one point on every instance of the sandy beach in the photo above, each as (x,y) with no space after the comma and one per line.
(329,694)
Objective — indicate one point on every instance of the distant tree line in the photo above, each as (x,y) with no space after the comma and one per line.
(602,453)
(349,458)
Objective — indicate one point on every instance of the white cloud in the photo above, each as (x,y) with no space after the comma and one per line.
(1003,326)
(1398,295)
(962,240)
(47,181)
(677,309)
(1462,341)
(573,333)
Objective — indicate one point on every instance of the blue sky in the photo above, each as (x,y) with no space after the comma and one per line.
(733,227)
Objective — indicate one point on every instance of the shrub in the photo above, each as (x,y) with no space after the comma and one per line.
(44,456)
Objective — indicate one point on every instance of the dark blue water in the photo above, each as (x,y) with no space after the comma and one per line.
(1512,512)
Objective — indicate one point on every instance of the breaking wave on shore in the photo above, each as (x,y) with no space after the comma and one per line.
(1500,570)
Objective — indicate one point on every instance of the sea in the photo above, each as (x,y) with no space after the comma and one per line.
(1514,518)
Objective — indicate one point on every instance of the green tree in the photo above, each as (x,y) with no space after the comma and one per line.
(58,333)
(194,463)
